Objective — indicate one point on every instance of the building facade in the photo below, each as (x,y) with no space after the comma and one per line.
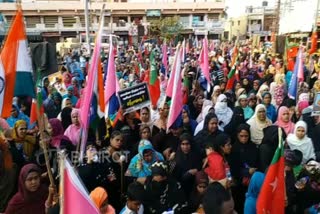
(129,19)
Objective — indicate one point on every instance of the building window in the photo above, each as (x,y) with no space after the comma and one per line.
(50,21)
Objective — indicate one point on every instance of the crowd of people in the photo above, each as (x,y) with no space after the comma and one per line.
(214,158)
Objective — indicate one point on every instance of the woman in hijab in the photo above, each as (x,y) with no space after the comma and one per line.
(140,164)
(76,86)
(66,103)
(215,94)
(189,125)
(253,192)
(239,92)
(223,112)
(271,110)
(17,115)
(255,88)
(205,106)
(263,88)
(52,105)
(237,119)
(208,133)
(243,162)
(56,131)
(66,118)
(257,123)
(73,131)
(24,143)
(31,196)
(284,120)
(100,197)
(187,162)
(208,109)
(269,145)
(300,141)
(66,77)
(243,103)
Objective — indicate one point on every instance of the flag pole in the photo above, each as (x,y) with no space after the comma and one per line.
(43,141)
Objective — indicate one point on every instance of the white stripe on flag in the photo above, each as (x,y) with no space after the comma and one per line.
(2,86)
(24,59)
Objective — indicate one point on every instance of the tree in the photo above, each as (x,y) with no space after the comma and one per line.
(166,28)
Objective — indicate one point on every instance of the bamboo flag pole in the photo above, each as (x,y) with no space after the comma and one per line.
(43,140)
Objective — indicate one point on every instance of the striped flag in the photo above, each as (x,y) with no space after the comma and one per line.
(86,108)
(204,62)
(111,88)
(15,66)
(176,101)
(74,197)
(296,77)
(36,105)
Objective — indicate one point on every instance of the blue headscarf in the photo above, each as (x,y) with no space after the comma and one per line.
(253,192)
(140,168)
(193,124)
(271,110)
(21,116)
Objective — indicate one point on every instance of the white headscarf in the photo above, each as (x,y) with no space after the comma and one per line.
(304,145)
(206,106)
(257,126)
(223,112)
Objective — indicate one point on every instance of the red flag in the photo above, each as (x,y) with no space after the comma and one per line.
(271,198)
(233,71)
(314,40)
(152,80)
(33,112)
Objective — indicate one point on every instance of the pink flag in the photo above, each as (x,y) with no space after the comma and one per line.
(183,51)
(75,198)
(172,75)
(111,87)
(176,101)
(88,90)
(212,45)
(300,69)
(204,62)
(165,57)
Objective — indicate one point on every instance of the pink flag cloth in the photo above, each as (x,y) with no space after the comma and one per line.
(204,62)
(111,86)
(88,90)
(75,198)
(177,95)
(212,45)
(300,68)
(169,90)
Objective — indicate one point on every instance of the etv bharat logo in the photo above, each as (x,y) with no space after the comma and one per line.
(74,156)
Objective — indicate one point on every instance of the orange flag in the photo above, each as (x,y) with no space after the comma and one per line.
(314,40)
(8,63)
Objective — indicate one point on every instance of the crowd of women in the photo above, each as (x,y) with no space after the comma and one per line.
(213,160)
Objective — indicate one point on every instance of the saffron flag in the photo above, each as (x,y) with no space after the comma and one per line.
(153,83)
(16,66)
(176,101)
(111,88)
(204,62)
(88,90)
(296,77)
(271,198)
(74,197)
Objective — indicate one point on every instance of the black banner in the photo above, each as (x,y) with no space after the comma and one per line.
(134,98)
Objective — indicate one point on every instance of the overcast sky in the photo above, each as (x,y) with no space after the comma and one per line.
(237,7)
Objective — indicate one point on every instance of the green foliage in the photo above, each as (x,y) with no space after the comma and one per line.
(166,28)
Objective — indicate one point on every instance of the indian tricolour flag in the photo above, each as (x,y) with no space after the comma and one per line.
(15,66)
